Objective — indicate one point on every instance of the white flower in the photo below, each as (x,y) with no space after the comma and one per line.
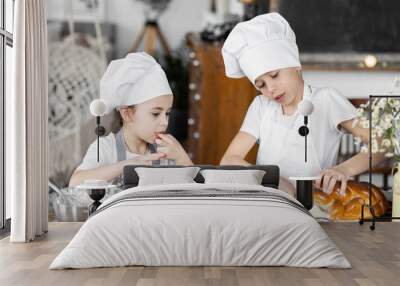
(357,141)
(386,143)
(359,112)
(386,124)
(379,131)
(375,115)
(381,103)
(388,117)
(387,121)
(385,127)
(365,124)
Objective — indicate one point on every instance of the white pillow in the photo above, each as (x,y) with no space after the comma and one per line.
(162,176)
(248,177)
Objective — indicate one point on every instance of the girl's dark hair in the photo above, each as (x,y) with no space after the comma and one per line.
(119,117)
(117,120)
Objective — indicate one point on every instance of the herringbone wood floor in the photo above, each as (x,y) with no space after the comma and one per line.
(375,257)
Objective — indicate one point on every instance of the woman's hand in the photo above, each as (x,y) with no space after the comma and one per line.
(167,144)
(329,178)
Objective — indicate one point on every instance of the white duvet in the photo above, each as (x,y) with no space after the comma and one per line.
(183,231)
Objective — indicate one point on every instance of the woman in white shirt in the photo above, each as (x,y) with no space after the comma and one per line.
(264,50)
(138,88)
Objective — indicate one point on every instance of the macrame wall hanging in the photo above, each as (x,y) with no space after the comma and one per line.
(76,65)
(74,75)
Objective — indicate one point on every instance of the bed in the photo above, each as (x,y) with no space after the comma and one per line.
(201,224)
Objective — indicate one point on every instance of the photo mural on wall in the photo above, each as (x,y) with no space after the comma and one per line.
(209,105)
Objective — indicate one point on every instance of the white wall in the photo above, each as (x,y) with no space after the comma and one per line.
(181,17)
(354,84)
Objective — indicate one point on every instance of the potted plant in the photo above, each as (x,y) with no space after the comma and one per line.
(385,136)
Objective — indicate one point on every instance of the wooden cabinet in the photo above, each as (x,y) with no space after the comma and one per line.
(217,104)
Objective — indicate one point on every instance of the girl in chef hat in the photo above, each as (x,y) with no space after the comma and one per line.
(264,50)
(137,87)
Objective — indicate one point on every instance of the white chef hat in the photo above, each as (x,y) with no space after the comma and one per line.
(260,45)
(133,80)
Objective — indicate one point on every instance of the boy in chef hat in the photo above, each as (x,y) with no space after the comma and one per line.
(264,50)
(137,87)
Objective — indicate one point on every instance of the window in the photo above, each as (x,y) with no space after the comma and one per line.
(6,45)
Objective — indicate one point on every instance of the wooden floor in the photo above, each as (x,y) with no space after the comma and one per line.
(375,257)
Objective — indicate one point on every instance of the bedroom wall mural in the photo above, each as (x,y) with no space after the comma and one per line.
(208,108)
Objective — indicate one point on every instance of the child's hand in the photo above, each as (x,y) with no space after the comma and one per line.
(144,159)
(167,144)
(330,177)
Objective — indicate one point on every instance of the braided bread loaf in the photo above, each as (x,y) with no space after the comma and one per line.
(348,206)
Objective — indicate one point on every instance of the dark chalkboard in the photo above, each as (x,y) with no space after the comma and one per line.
(344,25)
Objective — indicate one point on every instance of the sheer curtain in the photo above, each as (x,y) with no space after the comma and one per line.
(26,124)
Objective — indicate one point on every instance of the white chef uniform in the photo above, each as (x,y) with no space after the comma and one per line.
(279,141)
(132,80)
(267,43)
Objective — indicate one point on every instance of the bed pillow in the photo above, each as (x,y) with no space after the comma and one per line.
(248,177)
(162,176)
